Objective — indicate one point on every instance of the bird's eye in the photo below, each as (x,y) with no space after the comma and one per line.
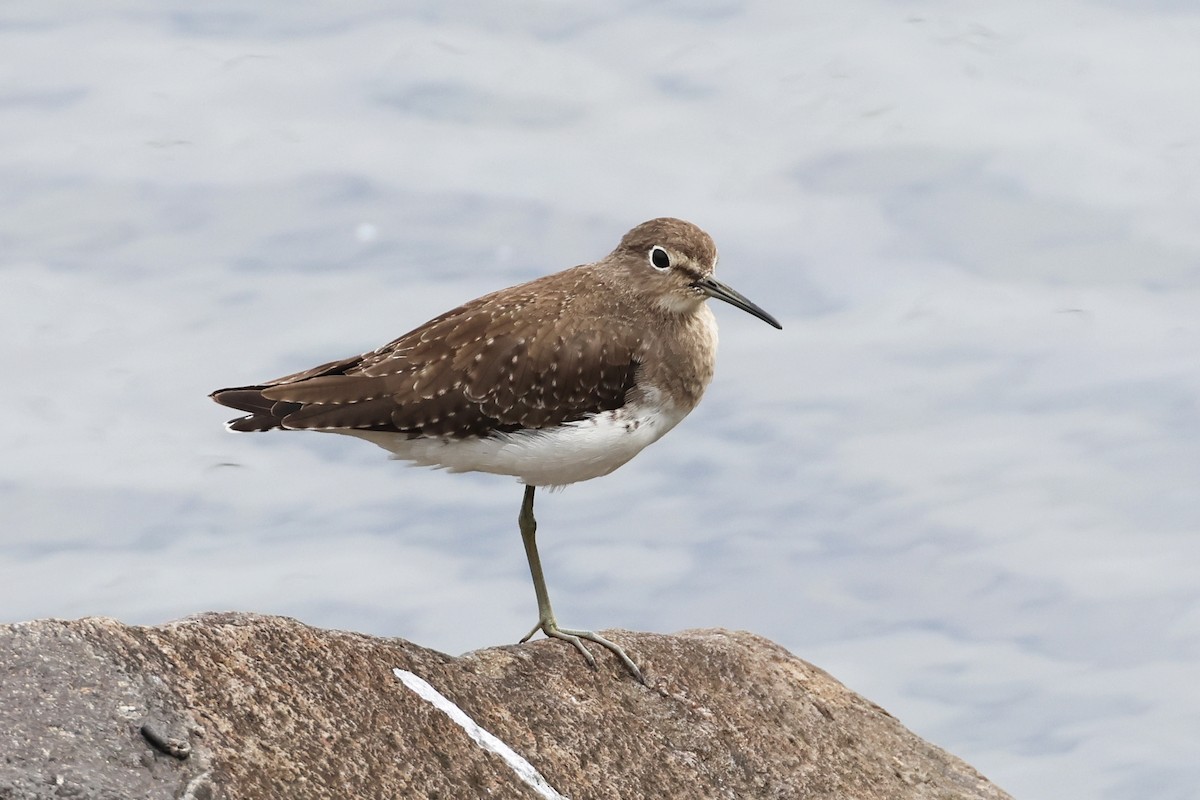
(659,258)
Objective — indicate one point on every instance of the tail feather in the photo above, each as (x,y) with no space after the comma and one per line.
(265,414)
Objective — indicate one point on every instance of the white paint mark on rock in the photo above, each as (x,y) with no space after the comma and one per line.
(525,771)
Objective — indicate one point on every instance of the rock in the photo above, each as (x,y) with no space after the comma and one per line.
(246,706)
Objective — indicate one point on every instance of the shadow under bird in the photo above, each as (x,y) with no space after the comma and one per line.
(558,380)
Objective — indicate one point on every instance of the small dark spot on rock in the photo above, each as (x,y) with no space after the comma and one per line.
(172,745)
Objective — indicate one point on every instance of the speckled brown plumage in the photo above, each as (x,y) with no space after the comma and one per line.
(554,350)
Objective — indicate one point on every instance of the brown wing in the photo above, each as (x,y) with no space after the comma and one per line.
(488,366)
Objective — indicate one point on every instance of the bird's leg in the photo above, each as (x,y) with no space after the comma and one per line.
(546,623)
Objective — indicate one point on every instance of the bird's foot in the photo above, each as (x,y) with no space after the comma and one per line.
(550,627)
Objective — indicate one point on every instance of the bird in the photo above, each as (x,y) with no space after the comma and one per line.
(554,381)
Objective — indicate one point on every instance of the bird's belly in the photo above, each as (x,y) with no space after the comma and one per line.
(576,451)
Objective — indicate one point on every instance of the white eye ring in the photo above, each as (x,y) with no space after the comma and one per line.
(660,259)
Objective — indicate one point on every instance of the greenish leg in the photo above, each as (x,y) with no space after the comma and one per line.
(546,622)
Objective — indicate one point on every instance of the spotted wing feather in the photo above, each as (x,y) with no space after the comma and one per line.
(485,367)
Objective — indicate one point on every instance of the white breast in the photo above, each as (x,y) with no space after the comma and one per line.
(576,451)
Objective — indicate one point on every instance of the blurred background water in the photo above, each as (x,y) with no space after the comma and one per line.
(963,479)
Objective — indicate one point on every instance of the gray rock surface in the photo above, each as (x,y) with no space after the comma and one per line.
(246,706)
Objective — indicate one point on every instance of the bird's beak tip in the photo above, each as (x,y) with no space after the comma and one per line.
(714,288)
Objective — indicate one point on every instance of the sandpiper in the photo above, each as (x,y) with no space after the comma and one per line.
(554,381)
